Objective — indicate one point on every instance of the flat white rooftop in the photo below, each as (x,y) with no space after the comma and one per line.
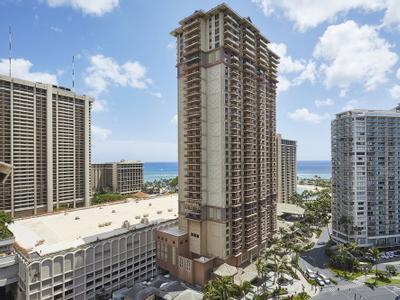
(57,232)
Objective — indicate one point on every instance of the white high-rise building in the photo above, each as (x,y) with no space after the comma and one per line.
(366,177)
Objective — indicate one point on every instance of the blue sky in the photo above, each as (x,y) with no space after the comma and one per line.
(335,55)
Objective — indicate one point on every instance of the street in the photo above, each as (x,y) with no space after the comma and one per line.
(315,259)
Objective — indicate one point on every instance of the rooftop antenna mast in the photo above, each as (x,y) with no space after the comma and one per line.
(9,51)
(73,72)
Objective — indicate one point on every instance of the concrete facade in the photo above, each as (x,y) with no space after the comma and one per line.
(226,139)
(85,253)
(45,137)
(124,177)
(366,177)
(287,169)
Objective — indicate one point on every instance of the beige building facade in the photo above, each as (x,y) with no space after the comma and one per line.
(45,137)
(124,177)
(287,169)
(227,141)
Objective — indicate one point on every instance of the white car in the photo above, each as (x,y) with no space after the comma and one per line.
(325,279)
(309,270)
(310,274)
(390,254)
(320,281)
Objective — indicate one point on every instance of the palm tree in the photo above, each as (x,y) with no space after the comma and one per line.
(244,288)
(375,254)
(221,288)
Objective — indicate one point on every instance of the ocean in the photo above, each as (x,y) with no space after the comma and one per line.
(167,170)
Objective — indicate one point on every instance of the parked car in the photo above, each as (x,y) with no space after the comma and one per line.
(320,281)
(390,254)
(325,279)
(384,256)
(310,274)
(322,242)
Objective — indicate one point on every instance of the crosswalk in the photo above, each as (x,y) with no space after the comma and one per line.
(342,287)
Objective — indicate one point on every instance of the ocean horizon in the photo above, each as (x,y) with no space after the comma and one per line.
(305,169)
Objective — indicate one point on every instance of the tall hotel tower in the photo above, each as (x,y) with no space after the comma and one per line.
(366,177)
(45,138)
(227,139)
(287,173)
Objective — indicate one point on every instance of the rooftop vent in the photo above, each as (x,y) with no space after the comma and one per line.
(104,224)
(77,218)
(159,212)
(137,217)
(113,211)
(169,209)
(39,242)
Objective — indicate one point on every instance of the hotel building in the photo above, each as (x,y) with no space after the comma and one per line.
(227,79)
(366,177)
(45,137)
(124,177)
(88,253)
(287,172)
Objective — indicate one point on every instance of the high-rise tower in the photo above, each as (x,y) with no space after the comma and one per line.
(227,141)
(45,137)
(287,173)
(366,177)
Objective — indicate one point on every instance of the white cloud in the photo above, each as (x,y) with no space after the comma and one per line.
(289,65)
(174,119)
(343,93)
(21,68)
(304,115)
(310,13)
(104,71)
(171,45)
(99,105)
(395,92)
(283,84)
(100,133)
(90,7)
(286,63)
(392,14)
(350,105)
(398,74)
(309,73)
(56,29)
(326,102)
(354,54)
(156,94)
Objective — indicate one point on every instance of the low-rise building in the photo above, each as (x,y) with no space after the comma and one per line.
(83,253)
(124,177)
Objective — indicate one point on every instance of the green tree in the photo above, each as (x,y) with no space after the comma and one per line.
(244,288)
(375,254)
(221,288)
(391,270)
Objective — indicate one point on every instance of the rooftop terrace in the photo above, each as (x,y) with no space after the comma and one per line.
(57,232)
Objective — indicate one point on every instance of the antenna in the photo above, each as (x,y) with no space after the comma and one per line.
(73,72)
(9,51)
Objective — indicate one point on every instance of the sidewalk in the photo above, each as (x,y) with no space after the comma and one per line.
(297,286)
